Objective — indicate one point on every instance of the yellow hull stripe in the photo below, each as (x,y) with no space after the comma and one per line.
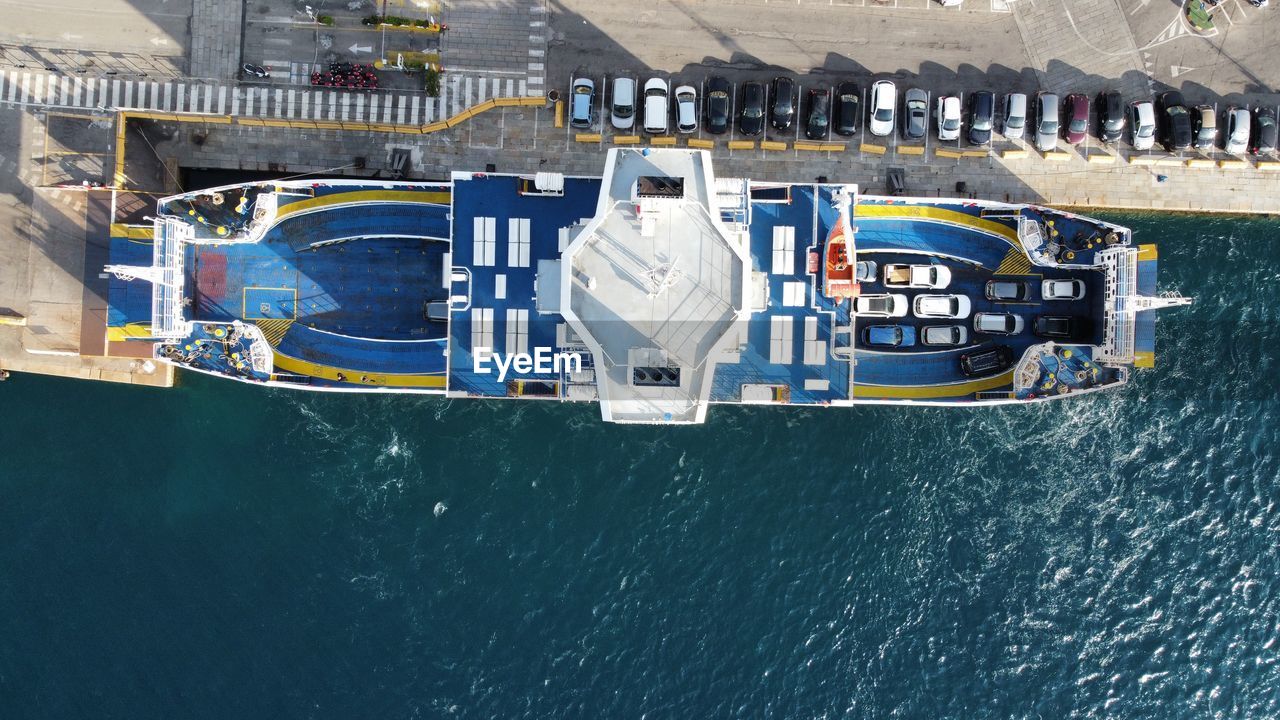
(132,330)
(929,212)
(1147,252)
(133,232)
(366,196)
(927,392)
(1144,359)
(356,377)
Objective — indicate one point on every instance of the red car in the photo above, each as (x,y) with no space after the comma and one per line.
(1077,118)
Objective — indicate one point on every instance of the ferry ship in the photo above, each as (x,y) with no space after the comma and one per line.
(655,290)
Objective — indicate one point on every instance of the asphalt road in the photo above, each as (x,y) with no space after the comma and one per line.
(125,37)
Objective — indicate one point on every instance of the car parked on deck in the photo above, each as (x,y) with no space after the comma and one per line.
(1014,116)
(915,114)
(884,99)
(1077,116)
(1239,121)
(982,117)
(1046,121)
(947,116)
(941,306)
(751,114)
(1110,116)
(891,305)
(622,110)
(1142,123)
(657,113)
(717,104)
(988,361)
(819,122)
(865,271)
(782,108)
(1007,290)
(944,335)
(686,109)
(1204,127)
(582,113)
(1062,327)
(848,106)
(1062,289)
(1263,136)
(889,336)
(917,276)
(998,323)
(1175,121)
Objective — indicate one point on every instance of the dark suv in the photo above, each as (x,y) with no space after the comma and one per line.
(717,105)
(982,117)
(988,361)
(1110,116)
(782,111)
(1263,137)
(751,113)
(1175,121)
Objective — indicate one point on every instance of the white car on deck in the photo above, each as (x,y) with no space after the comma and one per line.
(941,306)
(884,99)
(893,305)
(1062,289)
(934,277)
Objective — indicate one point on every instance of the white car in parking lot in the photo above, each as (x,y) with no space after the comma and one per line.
(656,110)
(948,114)
(941,306)
(884,98)
(686,109)
(893,305)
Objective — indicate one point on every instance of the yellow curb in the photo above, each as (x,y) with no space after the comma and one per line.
(1200,163)
(436,127)
(663,141)
(976,153)
(1142,159)
(820,146)
(704,144)
(911,150)
(587,138)
(742,144)
(944,152)
(1101,159)
(774,145)
(1232,164)
(1268,165)
(626,139)
(559,113)
(1014,154)
(873,149)
(1057,156)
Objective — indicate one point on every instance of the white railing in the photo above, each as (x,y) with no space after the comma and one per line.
(1119,311)
(167,280)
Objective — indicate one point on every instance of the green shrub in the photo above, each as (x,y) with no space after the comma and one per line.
(431,82)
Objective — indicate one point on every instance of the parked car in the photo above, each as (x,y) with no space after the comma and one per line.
(1077,118)
(944,335)
(947,116)
(582,113)
(915,114)
(941,306)
(1175,121)
(782,109)
(1014,116)
(848,107)
(1062,289)
(1239,121)
(1142,122)
(982,117)
(1110,116)
(998,323)
(1046,121)
(717,104)
(819,121)
(889,336)
(1007,290)
(894,305)
(917,276)
(751,116)
(686,109)
(1263,137)
(865,271)
(986,362)
(1062,327)
(622,111)
(1204,127)
(884,98)
(656,110)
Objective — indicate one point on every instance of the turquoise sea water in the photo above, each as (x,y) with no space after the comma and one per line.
(220,551)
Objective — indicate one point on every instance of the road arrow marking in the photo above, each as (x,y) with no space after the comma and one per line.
(1180,70)
(357,49)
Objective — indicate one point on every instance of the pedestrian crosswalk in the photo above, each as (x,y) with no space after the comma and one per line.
(457,93)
